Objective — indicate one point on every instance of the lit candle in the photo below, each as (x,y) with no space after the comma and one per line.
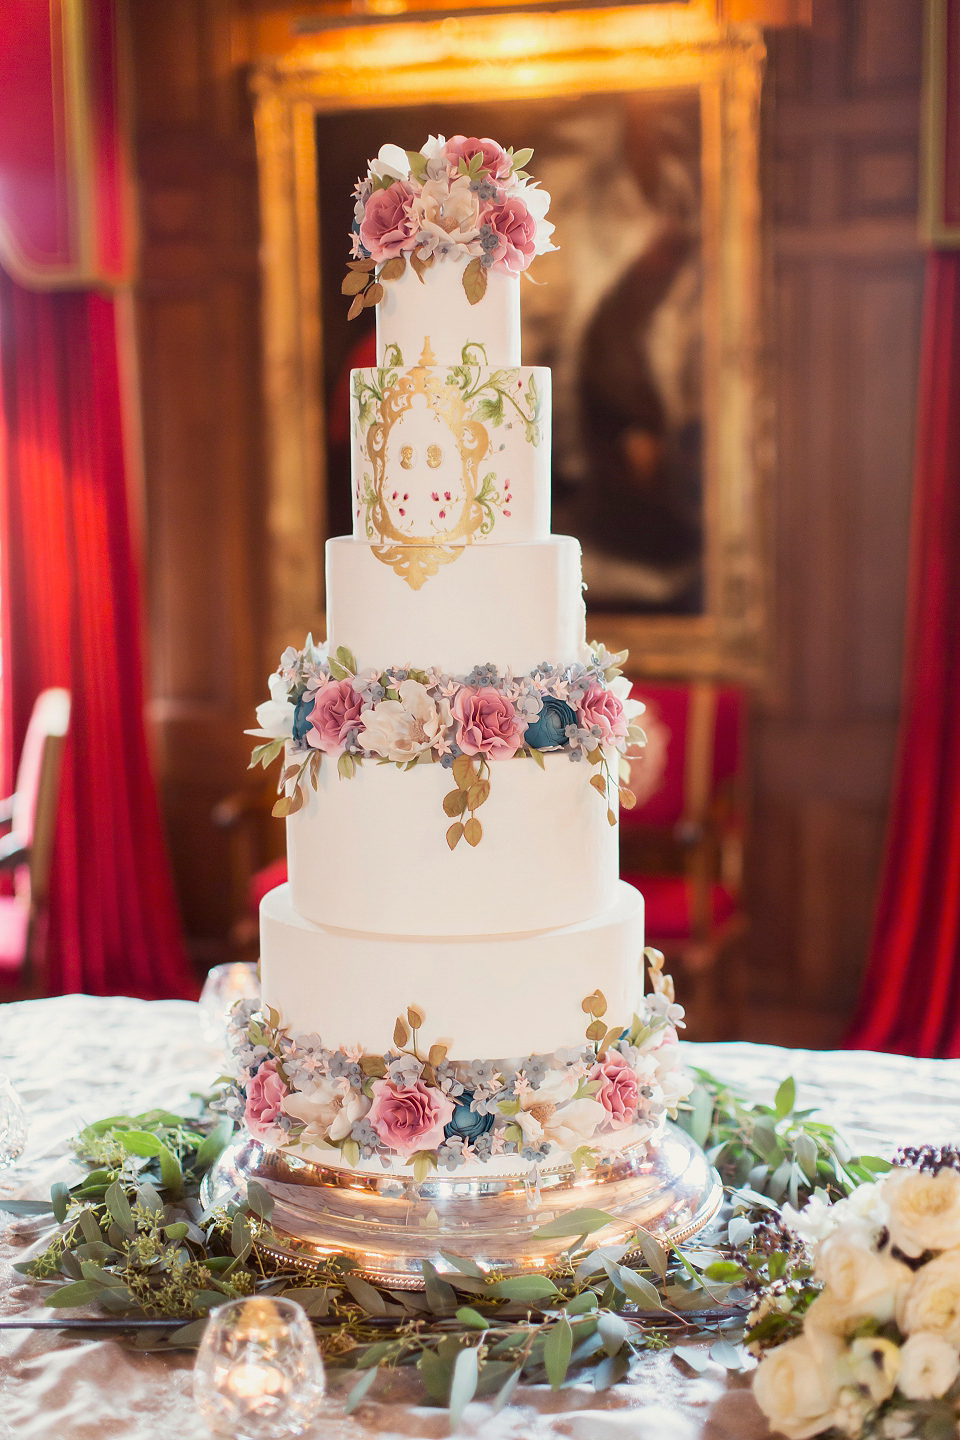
(252,1381)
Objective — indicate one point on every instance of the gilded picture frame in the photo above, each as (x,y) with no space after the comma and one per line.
(529,55)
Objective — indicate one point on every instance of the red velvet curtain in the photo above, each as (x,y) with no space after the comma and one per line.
(71,617)
(911,996)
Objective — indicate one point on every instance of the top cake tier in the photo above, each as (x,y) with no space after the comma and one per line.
(440,237)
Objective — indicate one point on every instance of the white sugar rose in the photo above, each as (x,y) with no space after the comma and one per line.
(929,1364)
(401,729)
(797,1385)
(874,1363)
(924,1210)
(328,1111)
(932,1299)
(551,1113)
(859,1284)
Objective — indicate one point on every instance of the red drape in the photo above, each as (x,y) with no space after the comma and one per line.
(911,996)
(71,617)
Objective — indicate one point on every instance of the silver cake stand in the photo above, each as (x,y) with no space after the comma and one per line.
(387,1224)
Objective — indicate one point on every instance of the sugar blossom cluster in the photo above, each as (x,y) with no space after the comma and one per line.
(463,199)
(878,1349)
(323,705)
(415,1105)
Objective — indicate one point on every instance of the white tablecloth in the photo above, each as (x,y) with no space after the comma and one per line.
(77,1059)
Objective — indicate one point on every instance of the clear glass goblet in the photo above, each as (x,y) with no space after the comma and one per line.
(259,1375)
(223,987)
(13,1122)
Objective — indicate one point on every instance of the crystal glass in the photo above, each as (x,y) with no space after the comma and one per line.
(223,987)
(13,1122)
(258,1374)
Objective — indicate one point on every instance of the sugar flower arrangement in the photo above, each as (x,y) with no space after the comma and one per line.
(415,1104)
(457,199)
(322,705)
(874,1337)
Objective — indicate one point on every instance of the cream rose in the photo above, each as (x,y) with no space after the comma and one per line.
(797,1385)
(924,1210)
(859,1284)
(932,1299)
(928,1366)
(401,729)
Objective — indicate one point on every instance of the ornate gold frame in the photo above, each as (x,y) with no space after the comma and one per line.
(514,55)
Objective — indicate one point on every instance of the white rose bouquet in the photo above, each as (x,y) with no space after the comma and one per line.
(868,1344)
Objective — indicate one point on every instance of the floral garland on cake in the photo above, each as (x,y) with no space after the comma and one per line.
(416,1104)
(322,705)
(457,198)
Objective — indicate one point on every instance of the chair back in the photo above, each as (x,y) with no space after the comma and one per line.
(34,812)
(694,751)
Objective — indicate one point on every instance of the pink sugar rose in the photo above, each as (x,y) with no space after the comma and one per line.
(336,711)
(487,723)
(516,232)
(495,159)
(388,226)
(266,1093)
(602,708)
(409,1117)
(618,1093)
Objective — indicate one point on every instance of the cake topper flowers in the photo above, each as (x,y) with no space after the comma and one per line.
(461,198)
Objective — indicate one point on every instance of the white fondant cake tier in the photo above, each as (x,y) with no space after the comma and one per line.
(513,606)
(370,852)
(445,456)
(484,997)
(436,312)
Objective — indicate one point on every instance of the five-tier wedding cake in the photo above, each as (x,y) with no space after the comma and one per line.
(452,977)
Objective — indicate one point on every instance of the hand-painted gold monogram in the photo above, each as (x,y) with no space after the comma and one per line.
(417,557)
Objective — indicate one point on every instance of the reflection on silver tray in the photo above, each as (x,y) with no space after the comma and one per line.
(387,1223)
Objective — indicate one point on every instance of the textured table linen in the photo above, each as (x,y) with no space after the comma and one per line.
(77,1059)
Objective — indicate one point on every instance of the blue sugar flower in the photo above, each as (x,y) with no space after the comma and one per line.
(301,717)
(549,730)
(465,1123)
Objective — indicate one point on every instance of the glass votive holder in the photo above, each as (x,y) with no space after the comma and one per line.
(13,1122)
(258,1374)
(223,987)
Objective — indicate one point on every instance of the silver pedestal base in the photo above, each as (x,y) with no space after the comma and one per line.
(386,1224)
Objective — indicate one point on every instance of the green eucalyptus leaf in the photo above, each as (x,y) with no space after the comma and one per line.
(527,1289)
(259,1200)
(557,1351)
(365,1383)
(472,1318)
(575,1222)
(365,1295)
(82,1292)
(786,1097)
(119,1207)
(463,1386)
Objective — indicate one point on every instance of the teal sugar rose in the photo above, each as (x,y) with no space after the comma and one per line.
(547,732)
(466,1124)
(301,717)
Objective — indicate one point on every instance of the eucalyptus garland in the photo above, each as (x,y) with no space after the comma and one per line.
(134,1239)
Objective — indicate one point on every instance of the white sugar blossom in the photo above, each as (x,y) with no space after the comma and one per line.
(390,164)
(449,213)
(551,1113)
(274,716)
(328,1111)
(402,729)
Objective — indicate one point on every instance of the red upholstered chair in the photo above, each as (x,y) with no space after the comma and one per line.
(27,849)
(682,844)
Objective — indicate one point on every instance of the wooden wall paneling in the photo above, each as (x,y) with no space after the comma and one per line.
(841,129)
(198,322)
